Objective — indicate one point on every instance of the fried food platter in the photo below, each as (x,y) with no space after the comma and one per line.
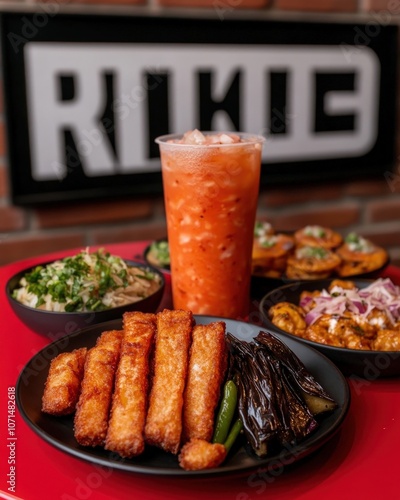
(59,431)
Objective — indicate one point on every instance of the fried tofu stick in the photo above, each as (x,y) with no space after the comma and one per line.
(91,418)
(164,418)
(129,403)
(207,366)
(63,383)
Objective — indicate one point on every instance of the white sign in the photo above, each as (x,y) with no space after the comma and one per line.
(87,63)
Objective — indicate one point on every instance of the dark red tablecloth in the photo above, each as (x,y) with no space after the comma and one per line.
(360,461)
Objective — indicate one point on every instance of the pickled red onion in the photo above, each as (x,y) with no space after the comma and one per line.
(382,294)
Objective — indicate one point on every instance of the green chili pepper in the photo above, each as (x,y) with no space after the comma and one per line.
(233,434)
(226,412)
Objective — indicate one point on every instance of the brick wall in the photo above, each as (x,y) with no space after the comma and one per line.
(371,207)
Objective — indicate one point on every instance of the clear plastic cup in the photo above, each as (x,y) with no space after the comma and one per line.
(211,193)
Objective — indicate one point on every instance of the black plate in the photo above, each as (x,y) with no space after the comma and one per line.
(57,324)
(369,365)
(58,431)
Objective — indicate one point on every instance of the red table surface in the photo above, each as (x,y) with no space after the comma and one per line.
(360,461)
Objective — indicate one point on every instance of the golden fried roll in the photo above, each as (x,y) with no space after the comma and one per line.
(164,417)
(312,263)
(63,383)
(92,411)
(318,236)
(207,365)
(129,403)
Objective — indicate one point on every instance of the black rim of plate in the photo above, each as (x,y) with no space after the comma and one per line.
(31,380)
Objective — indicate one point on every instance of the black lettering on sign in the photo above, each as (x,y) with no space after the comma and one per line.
(278,102)
(66,89)
(325,83)
(157,109)
(107,118)
(78,144)
(208,106)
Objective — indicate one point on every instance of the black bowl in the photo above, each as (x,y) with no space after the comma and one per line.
(57,324)
(146,254)
(369,365)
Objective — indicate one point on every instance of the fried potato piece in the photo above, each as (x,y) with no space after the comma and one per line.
(270,254)
(346,331)
(63,383)
(207,366)
(360,259)
(361,266)
(312,263)
(164,417)
(91,418)
(288,317)
(379,320)
(198,454)
(345,284)
(129,403)
(387,340)
(318,236)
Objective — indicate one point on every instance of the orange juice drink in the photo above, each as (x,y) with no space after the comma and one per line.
(211,184)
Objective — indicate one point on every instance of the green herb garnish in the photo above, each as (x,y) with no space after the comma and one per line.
(84,282)
(315,231)
(159,253)
(312,253)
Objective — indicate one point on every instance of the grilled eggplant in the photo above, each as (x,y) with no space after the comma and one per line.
(316,398)
(274,393)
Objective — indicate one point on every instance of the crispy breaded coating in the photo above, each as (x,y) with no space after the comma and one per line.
(198,454)
(207,366)
(91,418)
(164,418)
(63,383)
(129,403)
